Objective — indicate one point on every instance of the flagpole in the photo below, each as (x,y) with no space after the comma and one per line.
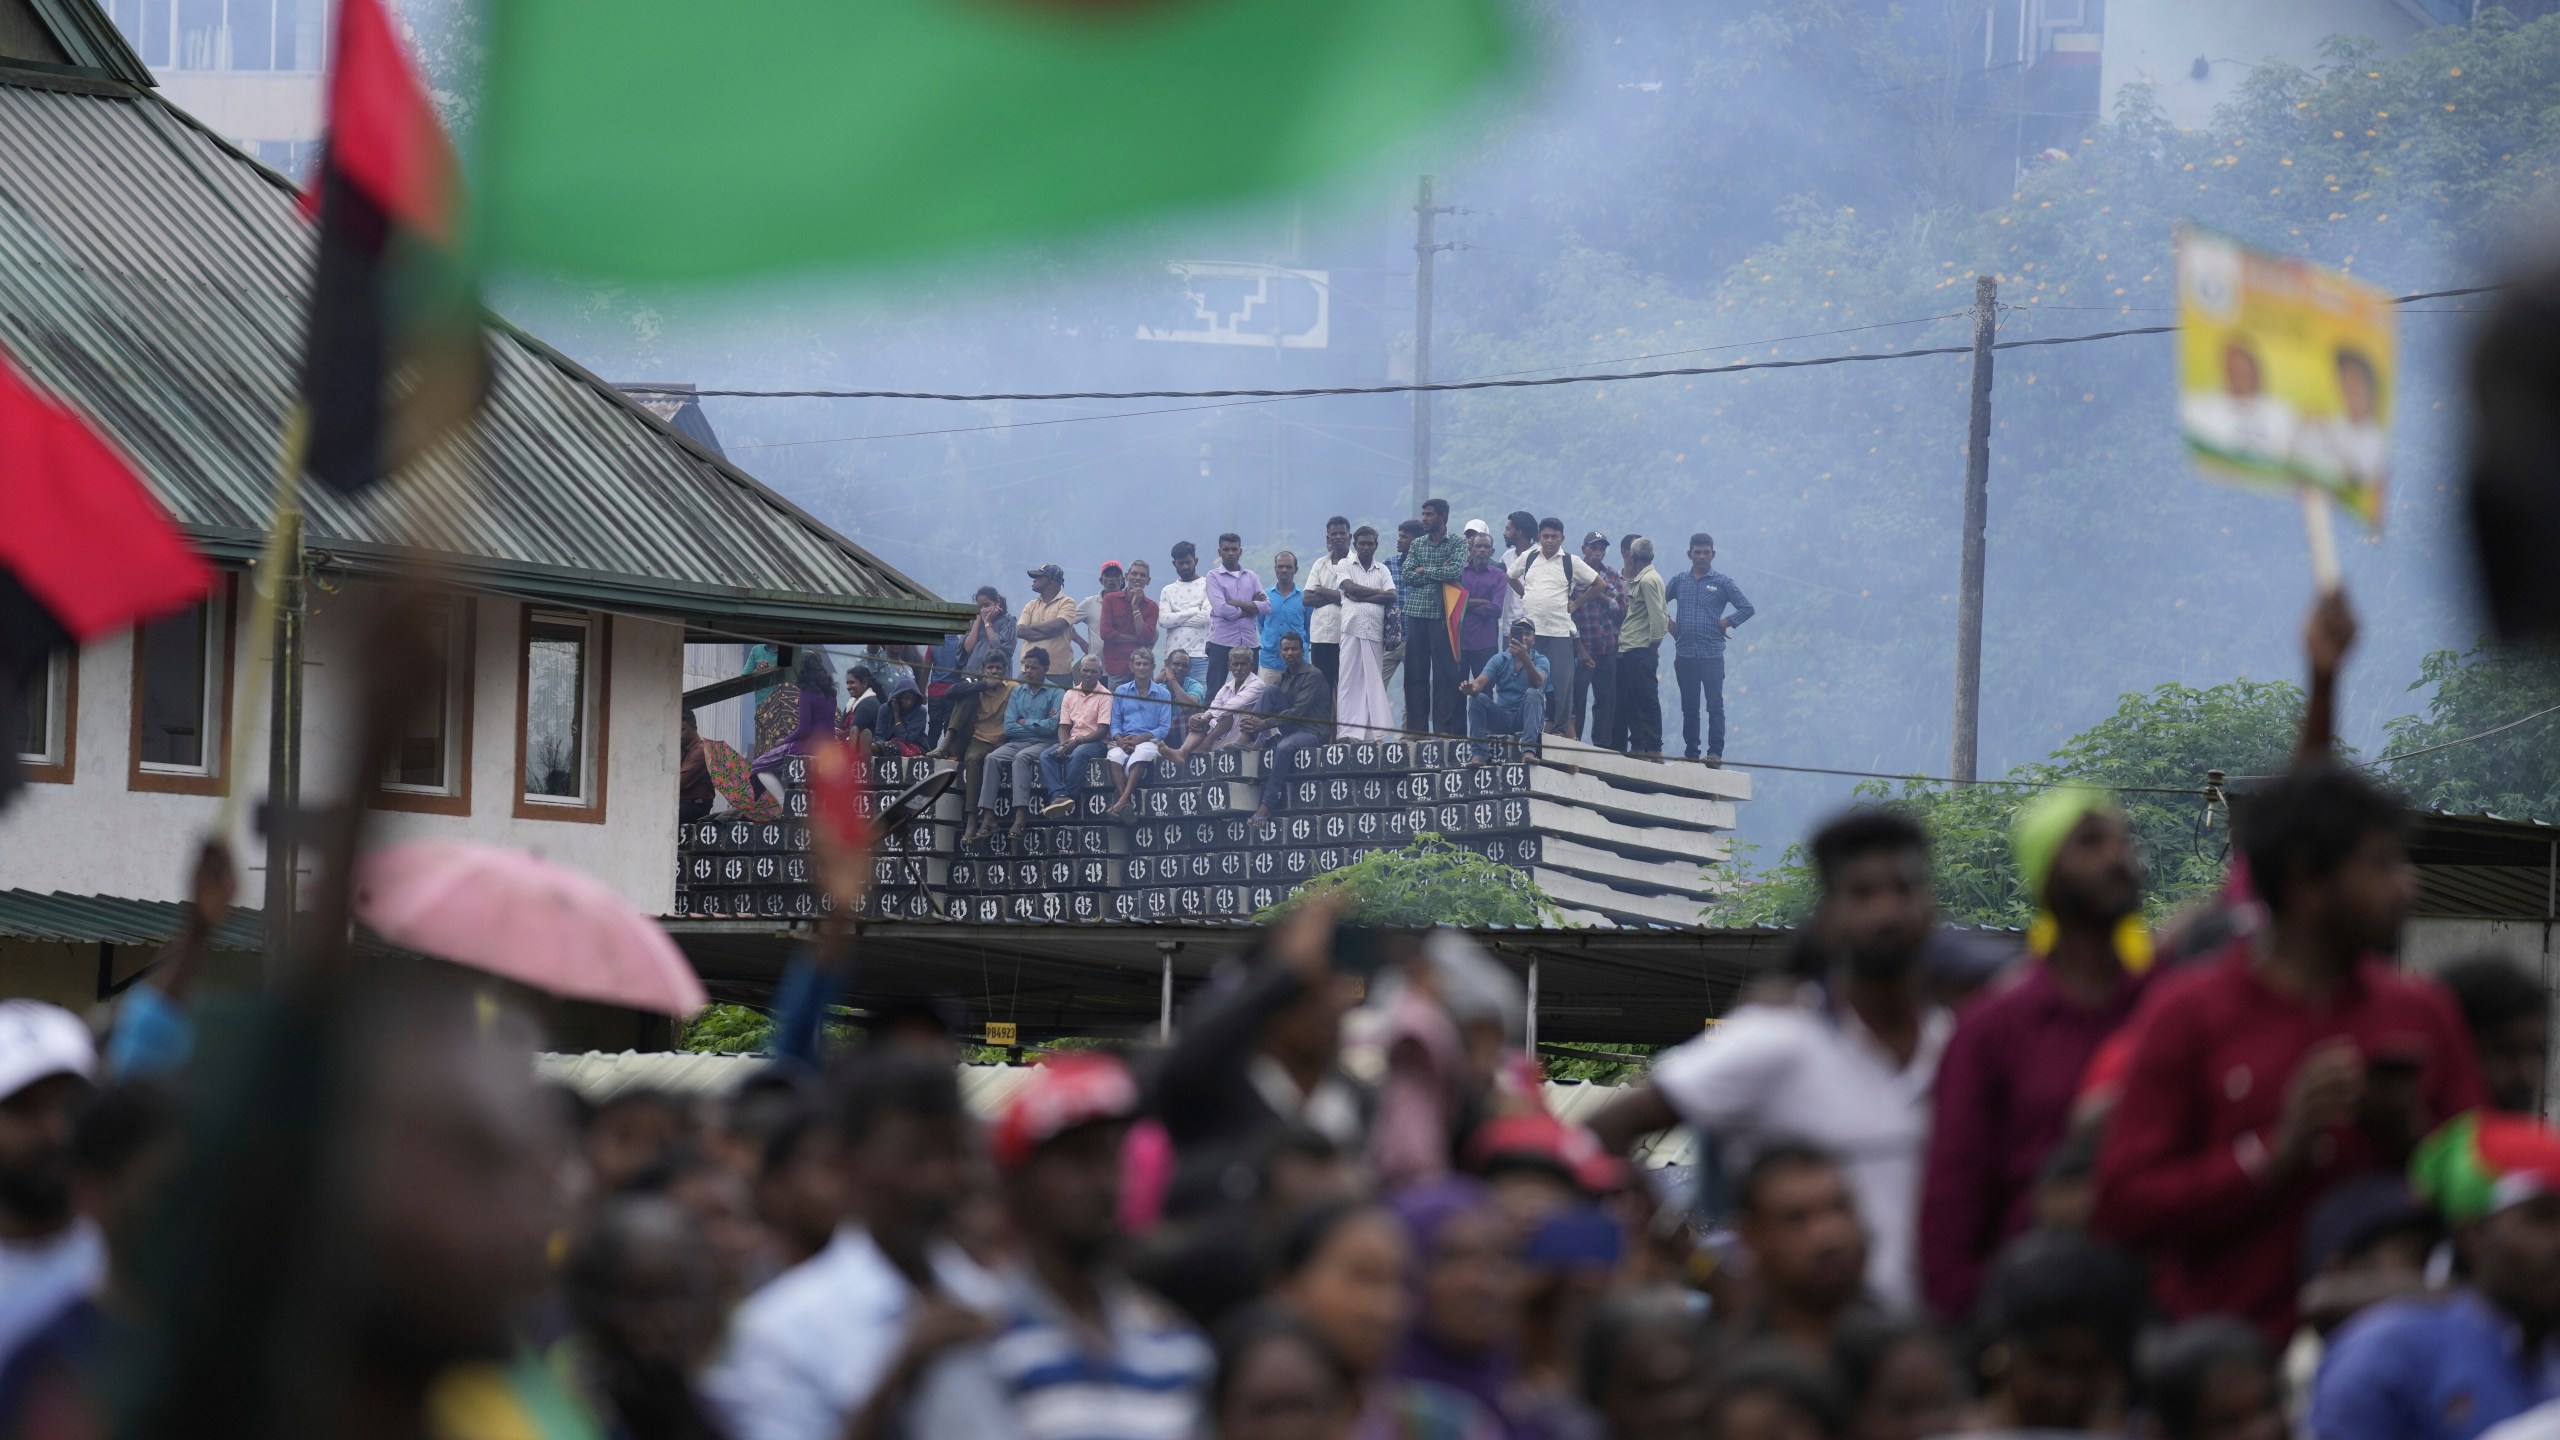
(275,616)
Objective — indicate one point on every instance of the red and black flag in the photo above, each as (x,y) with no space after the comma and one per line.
(396,355)
(86,548)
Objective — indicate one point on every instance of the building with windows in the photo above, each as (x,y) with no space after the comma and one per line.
(248,69)
(155,280)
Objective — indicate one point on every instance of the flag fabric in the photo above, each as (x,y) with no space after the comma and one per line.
(1453,613)
(86,548)
(390,292)
(671,140)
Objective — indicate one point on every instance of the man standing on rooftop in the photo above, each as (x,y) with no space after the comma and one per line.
(1639,720)
(1284,612)
(1431,672)
(1543,578)
(1184,602)
(1049,619)
(1324,601)
(1702,594)
(1236,604)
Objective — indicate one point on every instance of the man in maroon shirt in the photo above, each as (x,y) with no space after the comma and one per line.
(2005,1088)
(2294,1059)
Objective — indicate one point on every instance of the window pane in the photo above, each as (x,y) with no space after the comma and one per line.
(35,737)
(418,759)
(173,690)
(154,39)
(298,25)
(252,34)
(555,711)
(200,35)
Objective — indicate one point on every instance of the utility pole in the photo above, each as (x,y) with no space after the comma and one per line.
(1977,502)
(1424,247)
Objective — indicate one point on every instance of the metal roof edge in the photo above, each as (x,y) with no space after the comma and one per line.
(902,617)
(89,37)
(719,463)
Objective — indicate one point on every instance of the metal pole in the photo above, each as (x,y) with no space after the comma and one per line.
(284,753)
(1532,1026)
(1977,502)
(1423,249)
(1164,1011)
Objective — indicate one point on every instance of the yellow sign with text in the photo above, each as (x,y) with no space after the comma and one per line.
(2285,372)
(1002,1032)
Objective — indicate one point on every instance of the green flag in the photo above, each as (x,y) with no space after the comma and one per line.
(670,140)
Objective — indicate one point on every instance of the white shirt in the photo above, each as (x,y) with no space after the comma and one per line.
(1511,603)
(1547,589)
(1324,622)
(804,1353)
(1812,1072)
(2254,428)
(1182,617)
(1364,620)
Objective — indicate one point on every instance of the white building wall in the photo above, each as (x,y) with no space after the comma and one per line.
(2159,41)
(96,836)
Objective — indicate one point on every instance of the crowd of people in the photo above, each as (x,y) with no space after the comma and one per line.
(1515,638)
(2233,1178)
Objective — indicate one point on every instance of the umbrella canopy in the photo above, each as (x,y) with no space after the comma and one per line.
(524,919)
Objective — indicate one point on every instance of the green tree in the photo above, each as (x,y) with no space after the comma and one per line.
(2515,772)
(727,1030)
(1427,882)
(2154,750)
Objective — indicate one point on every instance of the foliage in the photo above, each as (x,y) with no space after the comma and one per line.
(727,1029)
(1427,882)
(2155,749)
(1597,1064)
(2515,772)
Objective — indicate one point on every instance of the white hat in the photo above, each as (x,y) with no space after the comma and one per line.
(1476,527)
(39,1040)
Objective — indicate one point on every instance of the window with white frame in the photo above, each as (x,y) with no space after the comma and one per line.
(562,723)
(286,35)
(178,691)
(44,727)
(428,752)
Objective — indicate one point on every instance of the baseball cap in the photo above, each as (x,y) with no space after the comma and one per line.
(38,1041)
(1047,572)
(1475,526)
(1596,537)
(1063,1093)
(1110,565)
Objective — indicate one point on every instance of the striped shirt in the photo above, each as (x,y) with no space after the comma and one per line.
(1045,1375)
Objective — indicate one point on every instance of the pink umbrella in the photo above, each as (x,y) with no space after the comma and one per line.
(525,920)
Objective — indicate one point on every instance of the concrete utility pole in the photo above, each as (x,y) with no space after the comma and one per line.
(1424,247)
(284,817)
(1977,502)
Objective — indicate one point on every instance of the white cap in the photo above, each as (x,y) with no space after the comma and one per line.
(1475,527)
(39,1040)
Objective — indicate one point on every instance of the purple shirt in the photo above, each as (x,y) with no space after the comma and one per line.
(1481,627)
(2004,1096)
(1226,626)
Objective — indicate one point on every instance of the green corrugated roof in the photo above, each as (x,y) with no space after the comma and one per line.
(109,919)
(156,277)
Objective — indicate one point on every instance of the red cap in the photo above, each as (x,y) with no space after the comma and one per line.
(1110,565)
(1063,1092)
(1542,1139)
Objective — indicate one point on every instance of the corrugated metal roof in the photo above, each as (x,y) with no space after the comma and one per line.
(155,277)
(58,918)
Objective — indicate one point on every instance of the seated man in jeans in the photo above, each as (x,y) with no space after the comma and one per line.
(1084,732)
(1030,727)
(1297,711)
(1510,697)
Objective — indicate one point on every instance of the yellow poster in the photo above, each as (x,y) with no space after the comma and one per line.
(2284,372)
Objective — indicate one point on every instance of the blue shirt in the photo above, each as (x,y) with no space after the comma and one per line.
(1032,713)
(2428,1369)
(1511,681)
(1288,616)
(1148,711)
(1701,600)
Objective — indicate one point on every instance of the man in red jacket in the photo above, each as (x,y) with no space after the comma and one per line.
(2293,1060)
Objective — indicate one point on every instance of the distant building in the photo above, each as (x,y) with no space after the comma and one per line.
(248,69)
(157,282)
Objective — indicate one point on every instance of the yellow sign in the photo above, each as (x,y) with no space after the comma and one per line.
(1001,1032)
(2285,372)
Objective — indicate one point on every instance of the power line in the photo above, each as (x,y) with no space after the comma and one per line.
(1445,386)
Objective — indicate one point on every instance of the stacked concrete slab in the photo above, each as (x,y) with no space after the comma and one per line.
(1613,839)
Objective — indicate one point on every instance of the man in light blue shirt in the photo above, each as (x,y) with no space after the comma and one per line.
(1141,726)
(1287,615)
(1509,696)
(1699,597)
(1030,726)
(854,1330)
